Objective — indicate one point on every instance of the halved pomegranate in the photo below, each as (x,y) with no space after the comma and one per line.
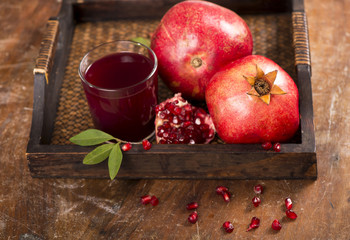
(178,122)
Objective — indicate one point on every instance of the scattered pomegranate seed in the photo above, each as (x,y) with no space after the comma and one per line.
(192,205)
(256,201)
(226,196)
(290,214)
(258,189)
(266,145)
(255,223)
(277,147)
(228,227)
(276,225)
(146,144)
(193,217)
(146,199)
(126,147)
(221,189)
(154,201)
(288,203)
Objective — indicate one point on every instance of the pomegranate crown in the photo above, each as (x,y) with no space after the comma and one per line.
(263,85)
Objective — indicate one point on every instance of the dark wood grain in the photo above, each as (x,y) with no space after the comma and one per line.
(32,208)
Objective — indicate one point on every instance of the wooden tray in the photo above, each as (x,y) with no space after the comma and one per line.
(60,111)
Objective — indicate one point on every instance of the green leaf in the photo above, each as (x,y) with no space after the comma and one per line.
(114,161)
(144,41)
(91,137)
(98,154)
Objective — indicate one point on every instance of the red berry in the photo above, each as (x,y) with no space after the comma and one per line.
(288,203)
(146,199)
(255,223)
(226,196)
(276,225)
(193,217)
(228,227)
(277,147)
(256,201)
(290,214)
(266,145)
(126,147)
(258,189)
(146,144)
(154,201)
(192,205)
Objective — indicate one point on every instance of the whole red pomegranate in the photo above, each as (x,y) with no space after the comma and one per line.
(253,100)
(193,40)
(178,122)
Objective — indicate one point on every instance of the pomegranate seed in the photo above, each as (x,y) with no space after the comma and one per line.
(290,214)
(146,199)
(288,203)
(177,110)
(126,147)
(228,227)
(158,108)
(258,189)
(226,196)
(256,201)
(146,144)
(276,225)
(255,223)
(266,145)
(221,189)
(277,147)
(193,217)
(154,201)
(192,205)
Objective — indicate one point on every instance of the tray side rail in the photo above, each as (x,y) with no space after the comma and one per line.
(303,70)
(49,73)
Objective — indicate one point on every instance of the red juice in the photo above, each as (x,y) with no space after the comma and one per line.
(123,95)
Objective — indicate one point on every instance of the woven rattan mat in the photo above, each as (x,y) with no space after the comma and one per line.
(272,35)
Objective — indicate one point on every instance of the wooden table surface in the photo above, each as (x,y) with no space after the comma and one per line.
(102,209)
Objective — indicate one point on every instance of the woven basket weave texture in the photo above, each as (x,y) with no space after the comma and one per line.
(272,37)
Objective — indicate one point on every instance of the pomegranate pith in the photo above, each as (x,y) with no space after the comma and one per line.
(193,217)
(276,225)
(228,227)
(178,122)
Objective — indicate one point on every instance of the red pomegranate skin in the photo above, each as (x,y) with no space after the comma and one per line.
(242,118)
(193,40)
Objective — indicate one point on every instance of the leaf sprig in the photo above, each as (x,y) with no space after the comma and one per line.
(108,150)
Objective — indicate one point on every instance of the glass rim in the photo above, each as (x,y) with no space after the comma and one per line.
(154,69)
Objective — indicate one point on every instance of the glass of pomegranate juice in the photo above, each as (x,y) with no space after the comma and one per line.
(121,85)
